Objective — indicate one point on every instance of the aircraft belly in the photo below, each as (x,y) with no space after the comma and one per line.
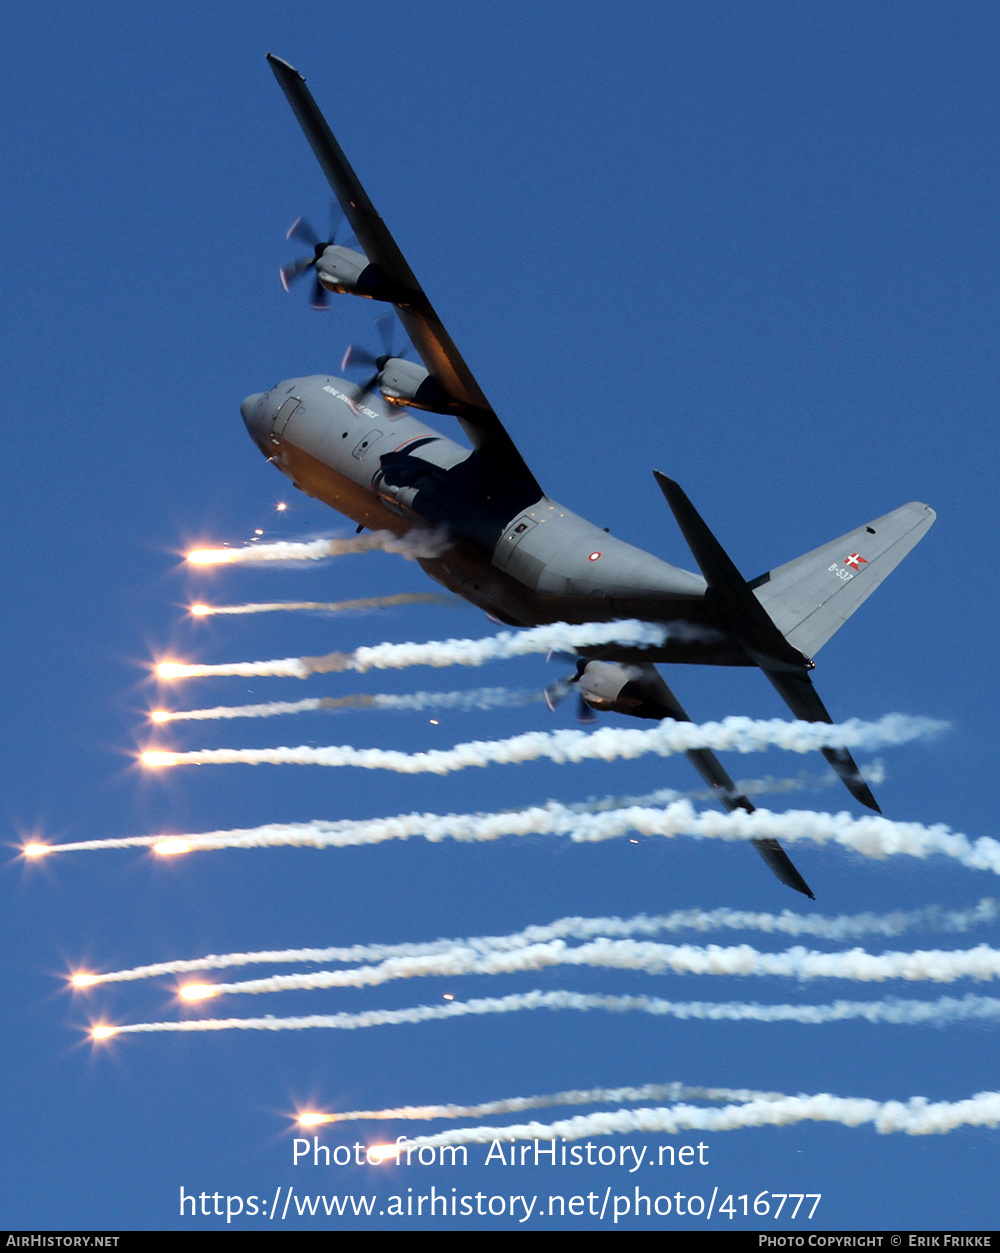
(463,571)
(317,479)
(509,594)
(548,564)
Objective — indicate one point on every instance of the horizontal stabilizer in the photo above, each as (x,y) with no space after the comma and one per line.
(810,598)
(798,693)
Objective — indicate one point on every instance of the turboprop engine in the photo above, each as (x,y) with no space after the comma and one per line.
(403,382)
(341,269)
(612,686)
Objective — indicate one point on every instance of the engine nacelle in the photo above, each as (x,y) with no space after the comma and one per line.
(611,686)
(342,269)
(403,382)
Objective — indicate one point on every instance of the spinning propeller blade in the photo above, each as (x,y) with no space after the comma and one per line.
(303,231)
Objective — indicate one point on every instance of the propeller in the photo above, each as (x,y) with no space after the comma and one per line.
(557,692)
(358,355)
(302,230)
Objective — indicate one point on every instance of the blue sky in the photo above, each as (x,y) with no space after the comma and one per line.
(751,246)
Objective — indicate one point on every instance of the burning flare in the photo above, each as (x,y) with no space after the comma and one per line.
(168,848)
(198,991)
(157,758)
(313,1119)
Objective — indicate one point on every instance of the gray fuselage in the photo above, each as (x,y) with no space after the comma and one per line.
(521,557)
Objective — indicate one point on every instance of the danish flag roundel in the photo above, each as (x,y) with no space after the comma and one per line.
(856,560)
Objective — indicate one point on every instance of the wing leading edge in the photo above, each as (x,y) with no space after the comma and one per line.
(425,329)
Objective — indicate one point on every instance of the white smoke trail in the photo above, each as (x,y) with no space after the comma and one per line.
(917,1116)
(576,1096)
(336,606)
(897,1012)
(477,698)
(936,965)
(873,772)
(270,709)
(735,734)
(931,918)
(559,635)
(411,546)
(872,836)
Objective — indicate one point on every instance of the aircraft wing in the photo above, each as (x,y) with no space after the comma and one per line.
(425,329)
(662,703)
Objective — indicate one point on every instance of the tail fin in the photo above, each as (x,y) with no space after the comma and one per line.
(810,598)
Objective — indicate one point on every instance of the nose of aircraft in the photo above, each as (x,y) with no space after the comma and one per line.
(249,407)
(255,416)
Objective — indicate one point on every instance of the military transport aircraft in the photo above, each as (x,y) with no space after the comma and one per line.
(514,551)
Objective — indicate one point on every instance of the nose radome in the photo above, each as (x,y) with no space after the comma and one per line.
(249,407)
(255,414)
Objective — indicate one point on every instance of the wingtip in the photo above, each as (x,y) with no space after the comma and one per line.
(671,489)
(279,63)
(863,794)
(782,866)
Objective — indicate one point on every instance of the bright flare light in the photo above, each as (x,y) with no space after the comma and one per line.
(158,759)
(160,715)
(167,848)
(35,850)
(381,1152)
(281,506)
(197,991)
(209,556)
(172,670)
(82,980)
(102,1033)
(200,611)
(313,1120)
